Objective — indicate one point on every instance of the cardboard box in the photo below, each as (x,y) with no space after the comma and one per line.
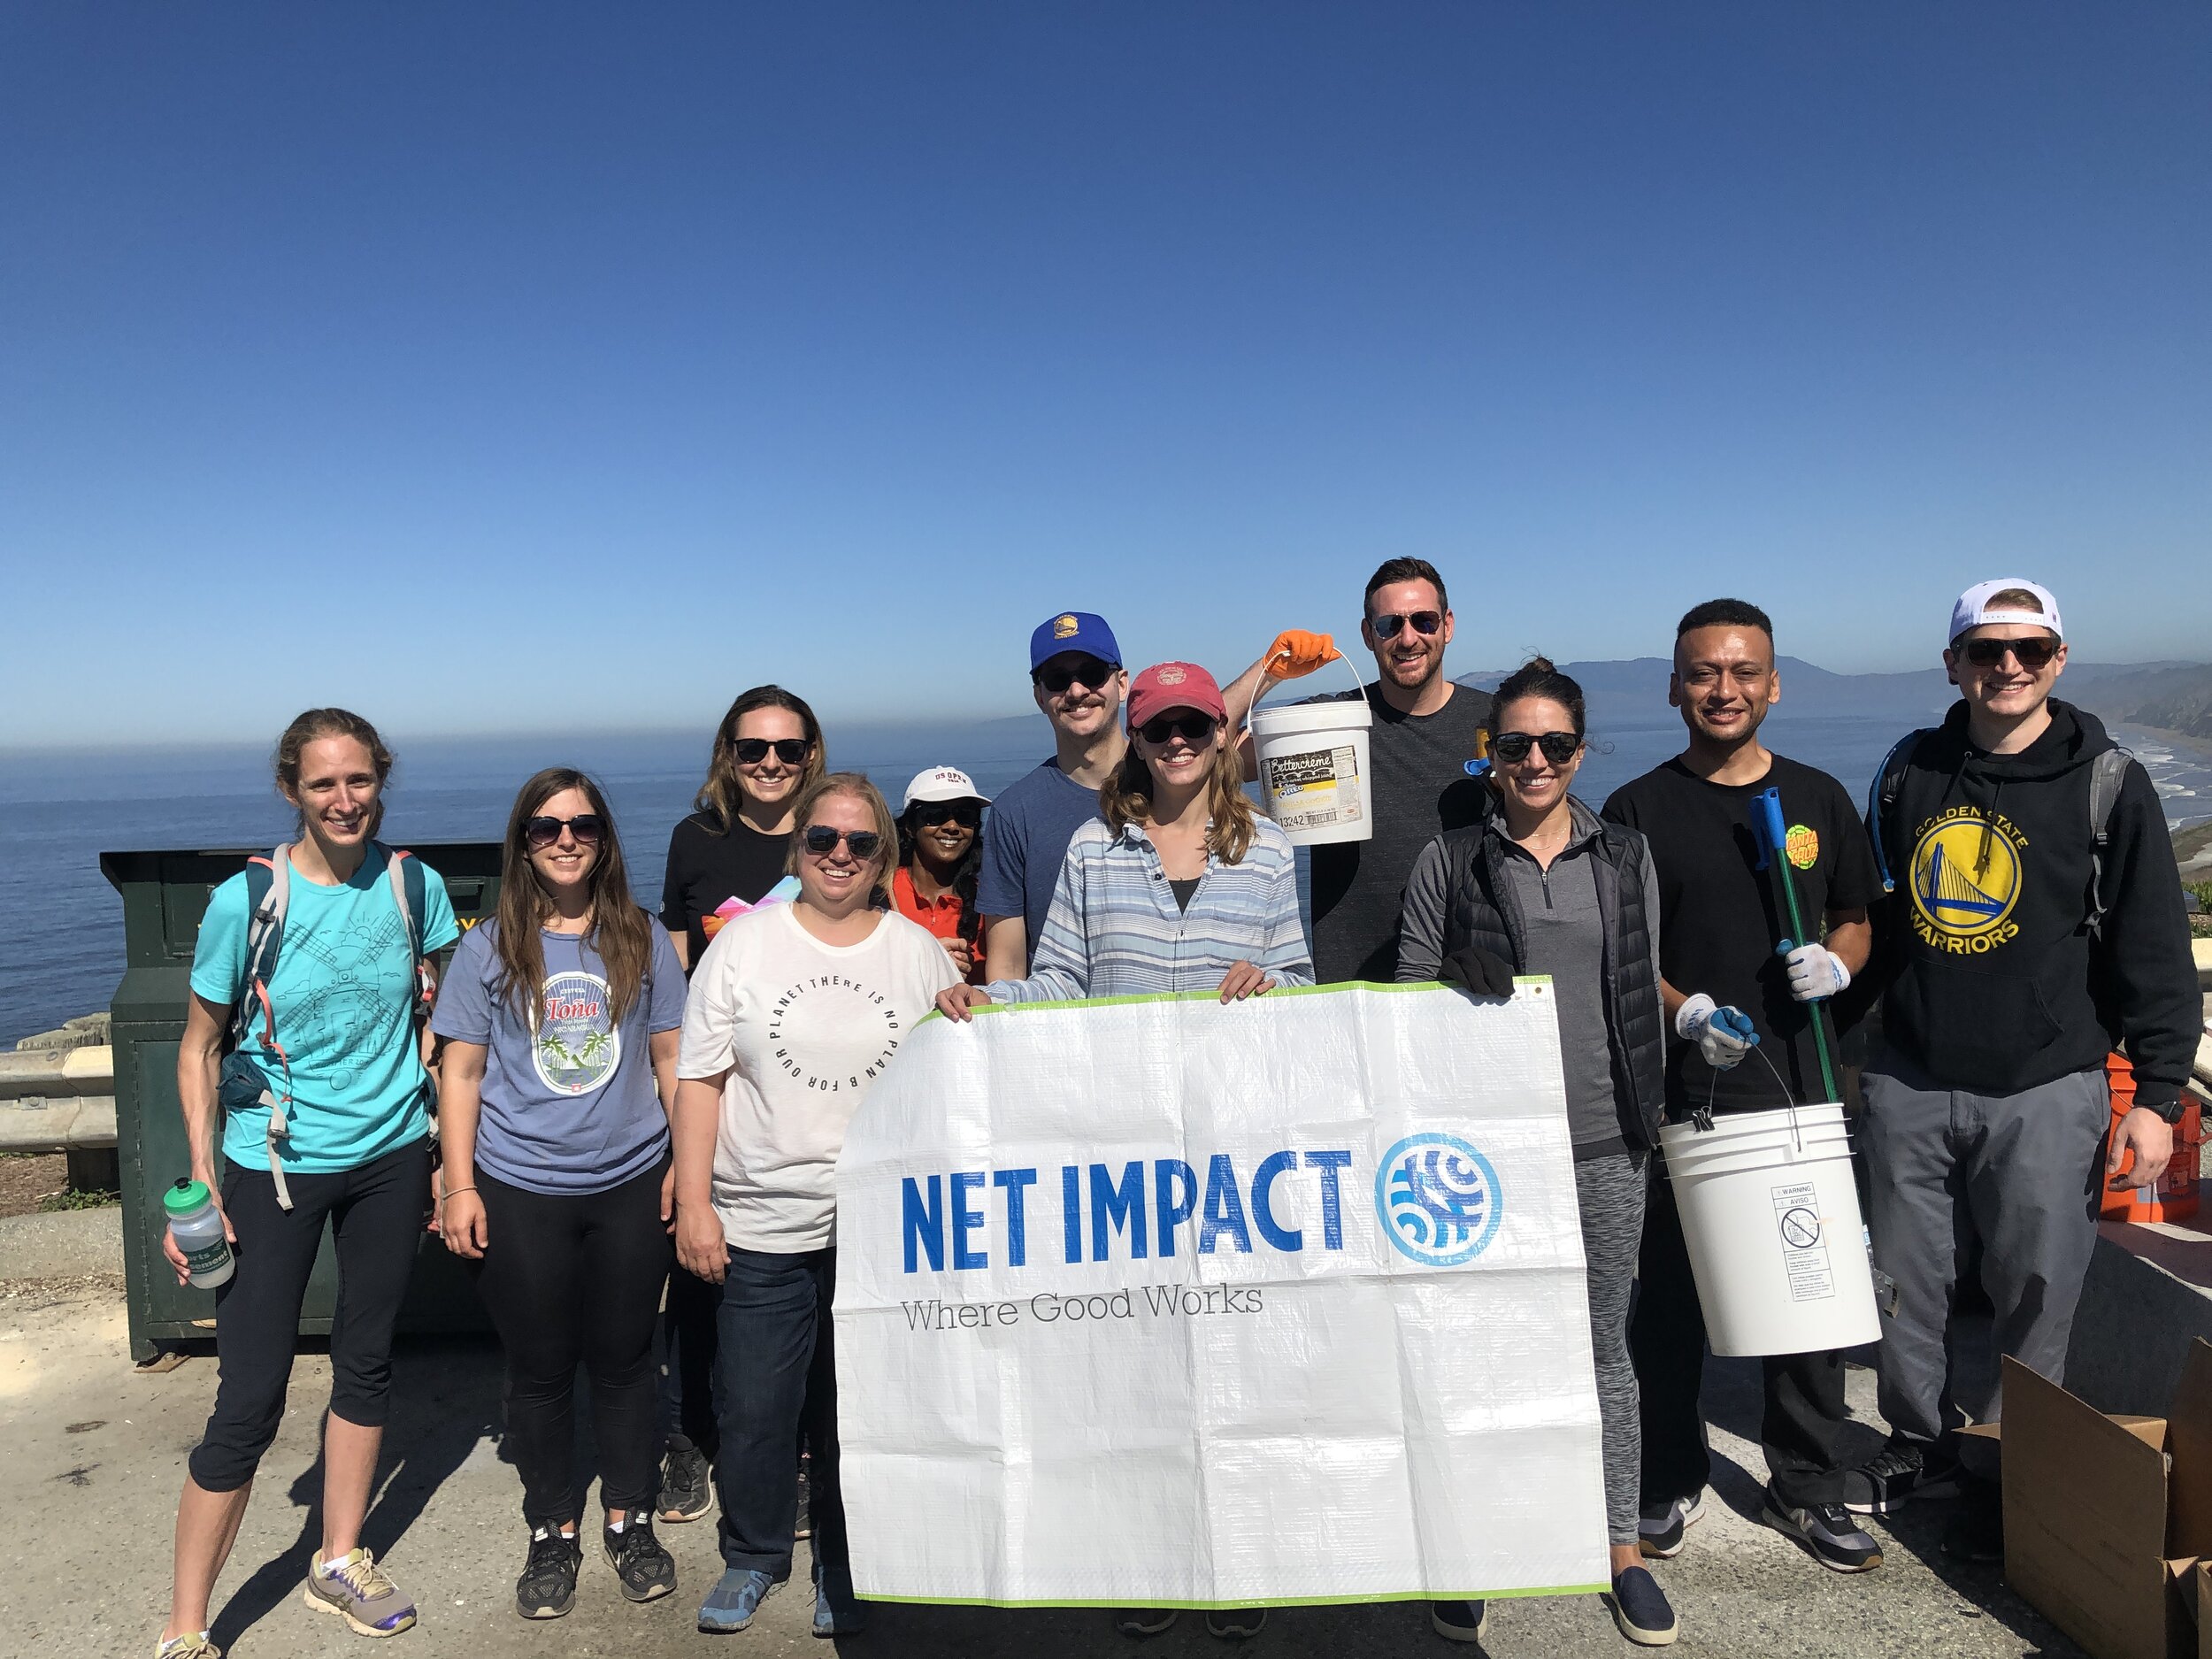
(2105,1516)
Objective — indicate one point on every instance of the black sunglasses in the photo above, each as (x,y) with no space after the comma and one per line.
(1091,672)
(821,841)
(1390,624)
(750,751)
(1192,726)
(2032,653)
(540,832)
(1513,747)
(967,814)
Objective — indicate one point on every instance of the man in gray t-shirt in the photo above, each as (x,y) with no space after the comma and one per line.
(1423,733)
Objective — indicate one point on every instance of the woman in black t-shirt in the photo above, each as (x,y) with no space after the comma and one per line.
(722,860)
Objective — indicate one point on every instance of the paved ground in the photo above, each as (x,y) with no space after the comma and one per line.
(99,1450)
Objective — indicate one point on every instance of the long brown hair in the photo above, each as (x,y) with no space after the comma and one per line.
(1125,797)
(620,931)
(317,724)
(723,792)
(854,784)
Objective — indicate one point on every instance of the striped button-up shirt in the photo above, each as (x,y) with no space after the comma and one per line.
(1114,929)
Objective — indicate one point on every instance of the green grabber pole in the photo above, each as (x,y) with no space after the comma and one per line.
(1769,831)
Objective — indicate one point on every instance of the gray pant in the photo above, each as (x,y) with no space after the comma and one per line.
(1609,1190)
(2019,1173)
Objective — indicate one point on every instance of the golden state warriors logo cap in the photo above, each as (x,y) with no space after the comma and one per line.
(1072,631)
(2012,599)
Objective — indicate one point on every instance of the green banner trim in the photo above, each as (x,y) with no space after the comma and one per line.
(1293,1601)
(1207,996)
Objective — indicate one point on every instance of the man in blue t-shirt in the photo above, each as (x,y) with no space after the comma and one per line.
(1075,674)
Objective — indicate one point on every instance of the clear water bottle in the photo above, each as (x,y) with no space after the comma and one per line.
(197,1227)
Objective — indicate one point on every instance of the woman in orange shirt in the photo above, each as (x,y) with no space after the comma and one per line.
(941,848)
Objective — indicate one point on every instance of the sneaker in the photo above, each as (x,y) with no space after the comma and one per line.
(686,1482)
(1143,1621)
(1640,1610)
(547,1588)
(1235,1624)
(1660,1527)
(1977,1533)
(362,1593)
(641,1567)
(1827,1532)
(805,1526)
(191,1645)
(735,1598)
(1901,1470)
(837,1611)
(1458,1621)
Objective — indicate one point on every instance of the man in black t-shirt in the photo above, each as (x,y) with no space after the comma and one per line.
(1718,927)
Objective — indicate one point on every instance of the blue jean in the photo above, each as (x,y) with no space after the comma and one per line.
(687,1360)
(778,1371)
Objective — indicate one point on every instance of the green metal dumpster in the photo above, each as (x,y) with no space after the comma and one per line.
(165,895)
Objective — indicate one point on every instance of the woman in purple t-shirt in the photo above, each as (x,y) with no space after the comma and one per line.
(561,1020)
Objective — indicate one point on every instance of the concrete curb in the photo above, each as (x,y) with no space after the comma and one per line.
(64,1245)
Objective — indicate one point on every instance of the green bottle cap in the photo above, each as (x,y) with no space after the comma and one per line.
(185,1197)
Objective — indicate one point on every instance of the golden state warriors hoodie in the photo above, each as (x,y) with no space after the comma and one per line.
(1993,981)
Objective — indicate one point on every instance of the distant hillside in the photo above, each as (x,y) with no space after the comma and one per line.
(2173,697)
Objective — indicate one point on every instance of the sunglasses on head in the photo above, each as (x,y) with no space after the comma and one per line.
(1192,726)
(1513,747)
(1090,671)
(967,814)
(541,832)
(2031,654)
(821,841)
(1390,625)
(750,751)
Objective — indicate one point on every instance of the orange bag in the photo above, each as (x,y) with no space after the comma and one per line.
(2174,1197)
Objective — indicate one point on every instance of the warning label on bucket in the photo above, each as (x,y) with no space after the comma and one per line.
(1312,790)
(1804,1247)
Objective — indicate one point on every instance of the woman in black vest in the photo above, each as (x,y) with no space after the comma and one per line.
(1543,885)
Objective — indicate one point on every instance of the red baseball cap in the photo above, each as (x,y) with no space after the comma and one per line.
(1173,686)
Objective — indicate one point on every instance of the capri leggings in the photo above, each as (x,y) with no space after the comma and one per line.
(1610,1189)
(376,1214)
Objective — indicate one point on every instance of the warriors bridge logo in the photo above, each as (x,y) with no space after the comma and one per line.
(1437,1199)
(1966,881)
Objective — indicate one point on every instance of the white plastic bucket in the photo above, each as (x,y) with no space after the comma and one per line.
(1314,778)
(1772,1217)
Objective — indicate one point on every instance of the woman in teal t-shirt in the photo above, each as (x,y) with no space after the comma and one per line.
(336,1047)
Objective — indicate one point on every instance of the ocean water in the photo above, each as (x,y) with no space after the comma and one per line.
(63,924)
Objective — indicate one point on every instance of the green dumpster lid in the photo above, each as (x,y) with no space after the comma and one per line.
(184,1197)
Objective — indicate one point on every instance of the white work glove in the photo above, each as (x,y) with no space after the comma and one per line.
(1816,971)
(1722,1036)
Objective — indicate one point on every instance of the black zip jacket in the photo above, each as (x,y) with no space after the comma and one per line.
(1991,979)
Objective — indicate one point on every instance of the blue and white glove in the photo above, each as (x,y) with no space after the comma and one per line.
(1722,1036)
(1816,971)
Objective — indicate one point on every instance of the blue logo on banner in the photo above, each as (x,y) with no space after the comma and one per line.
(1437,1199)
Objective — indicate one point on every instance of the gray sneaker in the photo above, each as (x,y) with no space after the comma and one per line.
(362,1593)
(1826,1531)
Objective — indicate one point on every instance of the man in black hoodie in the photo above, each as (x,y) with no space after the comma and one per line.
(2036,925)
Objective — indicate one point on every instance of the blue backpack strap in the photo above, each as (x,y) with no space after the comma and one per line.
(1881,799)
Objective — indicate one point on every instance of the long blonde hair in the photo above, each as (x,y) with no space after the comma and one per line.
(1126,798)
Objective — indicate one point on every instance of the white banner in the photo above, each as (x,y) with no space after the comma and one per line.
(1154,1302)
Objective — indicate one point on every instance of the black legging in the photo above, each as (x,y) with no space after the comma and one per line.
(569,1277)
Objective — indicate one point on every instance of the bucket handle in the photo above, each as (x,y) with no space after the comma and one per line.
(1358,684)
(1701,1117)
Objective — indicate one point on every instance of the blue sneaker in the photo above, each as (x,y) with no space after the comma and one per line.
(1458,1621)
(735,1598)
(837,1611)
(1640,1609)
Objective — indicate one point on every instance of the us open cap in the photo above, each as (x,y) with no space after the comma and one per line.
(1978,606)
(942,783)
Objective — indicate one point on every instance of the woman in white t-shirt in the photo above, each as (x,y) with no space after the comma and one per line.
(793,1011)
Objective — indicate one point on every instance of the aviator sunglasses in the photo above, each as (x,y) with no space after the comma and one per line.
(1192,726)
(543,831)
(1089,670)
(2032,653)
(1390,625)
(1513,747)
(822,839)
(750,751)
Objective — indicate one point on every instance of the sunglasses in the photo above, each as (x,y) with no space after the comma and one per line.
(1389,626)
(967,814)
(2031,654)
(1513,747)
(821,841)
(750,751)
(540,832)
(1089,671)
(1192,726)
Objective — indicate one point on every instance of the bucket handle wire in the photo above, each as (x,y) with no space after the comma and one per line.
(1358,684)
(1702,1119)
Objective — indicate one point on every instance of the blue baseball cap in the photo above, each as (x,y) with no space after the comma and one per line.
(1072,631)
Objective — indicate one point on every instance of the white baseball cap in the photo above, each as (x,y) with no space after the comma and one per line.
(942,783)
(1974,609)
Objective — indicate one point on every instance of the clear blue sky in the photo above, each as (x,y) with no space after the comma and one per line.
(521,366)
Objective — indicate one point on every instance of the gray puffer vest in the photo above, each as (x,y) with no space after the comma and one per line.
(1485,912)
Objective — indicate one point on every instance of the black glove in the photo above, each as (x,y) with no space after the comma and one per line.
(1479,971)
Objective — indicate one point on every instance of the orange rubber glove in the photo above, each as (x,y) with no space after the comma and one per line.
(1297,653)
